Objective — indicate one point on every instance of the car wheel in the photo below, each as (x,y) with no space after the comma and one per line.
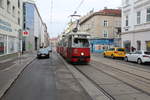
(126,59)
(139,61)
(104,55)
(112,56)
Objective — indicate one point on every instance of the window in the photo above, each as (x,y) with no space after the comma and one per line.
(127,2)
(1,3)
(80,43)
(8,6)
(138,17)
(3,44)
(18,3)
(127,21)
(138,45)
(148,15)
(111,49)
(105,33)
(105,23)
(147,52)
(18,21)
(138,52)
(13,10)
(120,49)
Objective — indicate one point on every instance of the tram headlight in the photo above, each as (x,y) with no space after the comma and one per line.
(82,54)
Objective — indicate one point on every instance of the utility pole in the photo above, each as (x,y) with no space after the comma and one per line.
(20,44)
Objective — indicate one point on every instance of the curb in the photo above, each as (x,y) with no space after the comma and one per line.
(11,82)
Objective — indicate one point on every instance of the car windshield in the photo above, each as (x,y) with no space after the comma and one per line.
(148,53)
(43,51)
(120,49)
(81,43)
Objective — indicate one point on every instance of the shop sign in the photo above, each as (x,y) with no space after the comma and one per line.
(5,26)
(25,33)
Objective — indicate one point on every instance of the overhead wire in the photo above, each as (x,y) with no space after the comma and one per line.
(76,10)
(51,18)
(80,4)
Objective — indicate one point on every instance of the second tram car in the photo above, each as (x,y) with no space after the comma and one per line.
(74,47)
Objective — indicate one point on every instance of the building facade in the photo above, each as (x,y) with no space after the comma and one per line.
(136,24)
(104,27)
(46,36)
(33,23)
(10,26)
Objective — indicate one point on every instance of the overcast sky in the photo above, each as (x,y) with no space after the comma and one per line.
(63,8)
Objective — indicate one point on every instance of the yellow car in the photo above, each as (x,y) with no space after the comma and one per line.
(115,52)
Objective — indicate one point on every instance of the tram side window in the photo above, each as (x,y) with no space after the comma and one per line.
(69,42)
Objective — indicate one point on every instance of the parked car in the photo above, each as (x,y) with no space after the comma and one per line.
(43,52)
(49,48)
(138,56)
(115,52)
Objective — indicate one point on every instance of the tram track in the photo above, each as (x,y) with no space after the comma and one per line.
(99,87)
(142,78)
(94,81)
(140,83)
(112,62)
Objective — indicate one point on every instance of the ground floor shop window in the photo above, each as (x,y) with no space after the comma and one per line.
(13,44)
(3,44)
(148,45)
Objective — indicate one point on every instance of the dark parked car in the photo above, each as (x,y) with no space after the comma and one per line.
(43,53)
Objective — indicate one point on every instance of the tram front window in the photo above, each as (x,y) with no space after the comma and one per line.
(81,43)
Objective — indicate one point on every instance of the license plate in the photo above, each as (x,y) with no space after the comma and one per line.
(42,55)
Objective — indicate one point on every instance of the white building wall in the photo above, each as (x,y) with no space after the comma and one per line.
(9,26)
(136,32)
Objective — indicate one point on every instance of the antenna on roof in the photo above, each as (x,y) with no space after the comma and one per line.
(105,8)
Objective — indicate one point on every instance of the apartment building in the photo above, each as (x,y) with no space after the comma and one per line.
(10,26)
(33,23)
(104,27)
(136,24)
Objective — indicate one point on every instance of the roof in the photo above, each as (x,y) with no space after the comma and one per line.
(105,12)
(109,12)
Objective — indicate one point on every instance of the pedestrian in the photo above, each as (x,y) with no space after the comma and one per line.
(133,49)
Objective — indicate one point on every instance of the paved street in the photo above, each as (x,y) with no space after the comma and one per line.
(102,79)
(46,79)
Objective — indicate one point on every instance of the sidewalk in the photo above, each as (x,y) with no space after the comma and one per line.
(11,68)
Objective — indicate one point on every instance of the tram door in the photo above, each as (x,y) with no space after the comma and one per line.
(69,47)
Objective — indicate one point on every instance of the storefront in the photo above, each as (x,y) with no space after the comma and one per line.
(9,42)
(3,44)
(99,45)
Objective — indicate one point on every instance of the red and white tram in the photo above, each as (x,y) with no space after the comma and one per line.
(74,47)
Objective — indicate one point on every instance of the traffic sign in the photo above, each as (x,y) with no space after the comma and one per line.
(25,33)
